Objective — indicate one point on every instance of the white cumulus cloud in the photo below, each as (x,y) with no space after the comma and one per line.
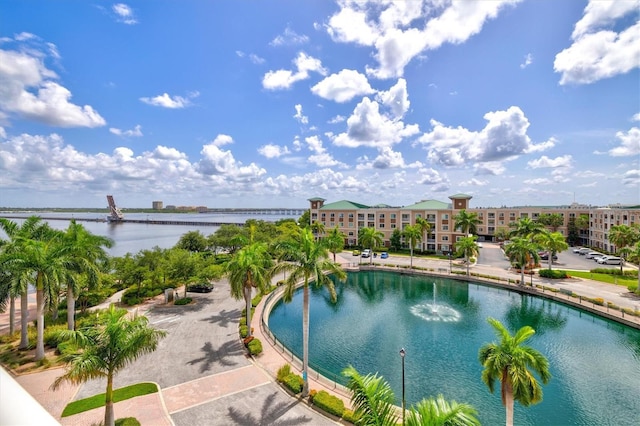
(284,79)
(135,132)
(343,86)
(171,102)
(124,14)
(546,162)
(629,143)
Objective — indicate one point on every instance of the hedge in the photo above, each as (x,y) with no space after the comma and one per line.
(329,403)
(553,273)
(255,347)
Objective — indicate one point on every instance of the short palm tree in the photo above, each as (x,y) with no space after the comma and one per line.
(526,228)
(552,242)
(335,241)
(633,254)
(623,236)
(318,229)
(412,235)
(306,260)
(106,348)
(370,238)
(467,247)
(373,403)
(425,227)
(522,252)
(511,363)
(249,268)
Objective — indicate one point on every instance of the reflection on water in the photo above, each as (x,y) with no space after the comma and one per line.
(594,362)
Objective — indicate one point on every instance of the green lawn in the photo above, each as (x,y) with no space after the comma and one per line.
(97,401)
(605,278)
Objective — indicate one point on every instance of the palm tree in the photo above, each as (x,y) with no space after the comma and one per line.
(45,259)
(522,252)
(372,399)
(425,227)
(467,222)
(106,348)
(373,403)
(86,251)
(335,241)
(633,254)
(440,412)
(370,238)
(623,236)
(32,227)
(553,220)
(250,267)
(318,229)
(467,247)
(413,235)
(510,362)
(526,228)
(552,242)
(307,260)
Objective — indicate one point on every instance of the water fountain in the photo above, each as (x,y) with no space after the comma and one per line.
(434,312)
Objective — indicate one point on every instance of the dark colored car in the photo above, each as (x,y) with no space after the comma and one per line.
(200,288)
(545,256)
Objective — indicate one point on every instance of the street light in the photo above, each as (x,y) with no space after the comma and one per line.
(402,354)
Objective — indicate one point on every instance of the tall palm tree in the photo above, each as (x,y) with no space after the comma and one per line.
(106,348)
(467,247)
(318,229)
(633,254)
(373,403)
(521,253)
(425,227)
(511,363)
(412,235)
(370,238)
(308,261)
(86,252)
(249,268)
(467,222)
(335,241)
(552,242)
(32,227)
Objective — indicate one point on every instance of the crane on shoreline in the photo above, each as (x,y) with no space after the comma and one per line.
(115,214)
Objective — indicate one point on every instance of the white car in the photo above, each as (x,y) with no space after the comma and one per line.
(577,249)
(584,251)
(610,260)
(592,254)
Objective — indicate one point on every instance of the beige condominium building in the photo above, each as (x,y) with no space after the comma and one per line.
(350,216)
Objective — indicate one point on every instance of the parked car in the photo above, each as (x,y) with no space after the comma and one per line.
(577,249)
(479,245)
(584,251)
(596,258)
(384,255)
(544,255)
(366,253)
(592,254)
(200,288)
(356,253)
(610,260)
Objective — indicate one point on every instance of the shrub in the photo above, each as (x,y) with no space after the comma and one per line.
(183,301)
(127,421)
(553,273)
(244,331)
(243,321)
(329,403)
(632,287)
(256,300)
(65,348)
(350,416)
(294,383)
(598,301)
(255,347)
(283,372)
(312,394)
(52,335)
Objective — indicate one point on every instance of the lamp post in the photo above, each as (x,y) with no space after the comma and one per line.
(402,354)
(450,266)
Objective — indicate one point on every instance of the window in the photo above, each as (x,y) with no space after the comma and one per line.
(350,215)
(445,216)
(445,238)
(323,215)
(445,227)
(341,215)
(405,217)
(381,225)
(393,215)
(393,226)
(381,215)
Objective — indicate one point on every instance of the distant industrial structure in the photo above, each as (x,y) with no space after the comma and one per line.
(115,215)
(156,205)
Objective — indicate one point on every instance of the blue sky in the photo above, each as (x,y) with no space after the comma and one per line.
(269,103)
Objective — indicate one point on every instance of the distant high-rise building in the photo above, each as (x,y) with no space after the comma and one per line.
(156,205)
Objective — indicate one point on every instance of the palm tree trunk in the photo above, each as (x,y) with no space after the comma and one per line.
(411,259)
(466,260)
(39,322)
(522,275)
(550,259)
(508,403)
(305,340)
(109,416)
(12,315)
(247,307)
(71,309)
(24,320)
